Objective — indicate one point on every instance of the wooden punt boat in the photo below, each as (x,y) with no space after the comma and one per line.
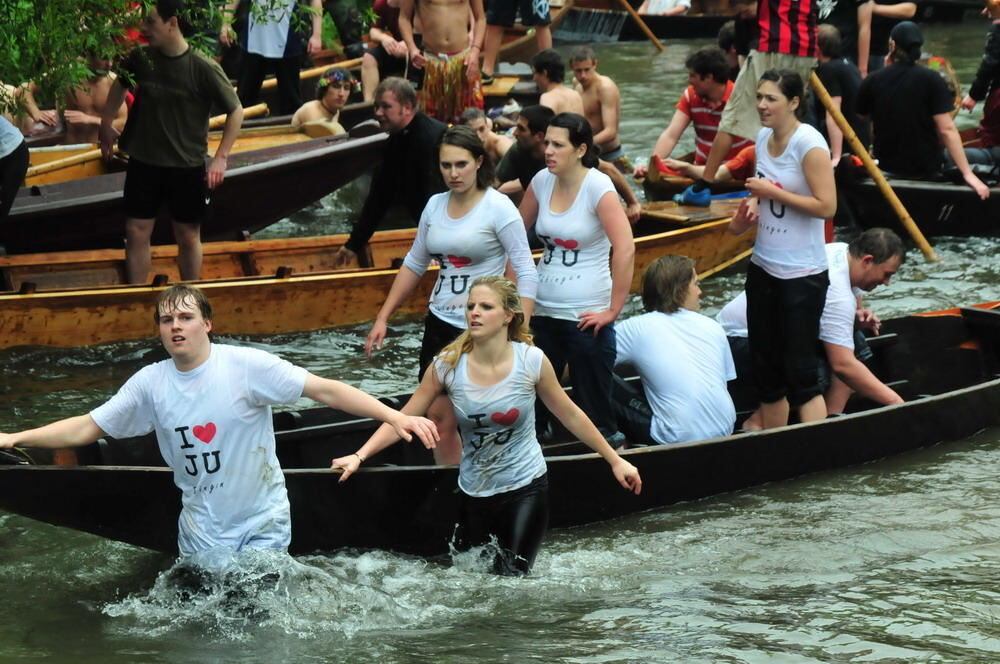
(273,286)
(944,363)
(88,213)
(939,208)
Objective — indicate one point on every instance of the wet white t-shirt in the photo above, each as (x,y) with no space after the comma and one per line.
(500,452)
(574,274)
(684,362)
(472,246)
(213,426)
(789,243)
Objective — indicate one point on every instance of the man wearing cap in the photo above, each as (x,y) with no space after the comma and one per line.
(910,108)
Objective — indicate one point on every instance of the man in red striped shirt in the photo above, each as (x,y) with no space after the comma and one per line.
(701,104)
(787,41)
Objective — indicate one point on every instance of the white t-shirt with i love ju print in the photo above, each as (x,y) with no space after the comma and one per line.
(477,244)
(574,274)
(500,452)
(213,426)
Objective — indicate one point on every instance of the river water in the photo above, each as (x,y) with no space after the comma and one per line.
(894,561)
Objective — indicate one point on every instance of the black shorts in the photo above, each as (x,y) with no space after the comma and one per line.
(437,335)
(388,65)
(515,520)
(503,12)
(783,322)
(183,190)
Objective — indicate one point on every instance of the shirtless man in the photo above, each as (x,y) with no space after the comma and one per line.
(450,57)
(332,91)
(495,144)
(85,104)
(549,72)
(601,106)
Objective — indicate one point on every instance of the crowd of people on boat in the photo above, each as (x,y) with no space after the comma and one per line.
(496,350)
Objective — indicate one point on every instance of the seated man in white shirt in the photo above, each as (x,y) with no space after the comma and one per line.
(682,358)
(868,261)
(210,406)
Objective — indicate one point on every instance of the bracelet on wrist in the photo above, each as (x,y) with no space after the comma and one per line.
(359,456)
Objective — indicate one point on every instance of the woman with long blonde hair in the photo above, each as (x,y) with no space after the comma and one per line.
(493,374)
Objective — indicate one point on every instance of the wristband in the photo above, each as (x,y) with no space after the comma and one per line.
(359,456)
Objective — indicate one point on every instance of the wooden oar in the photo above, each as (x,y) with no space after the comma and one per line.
(214,122)
(255,111)
(873,170)
(314,72)
(642,24)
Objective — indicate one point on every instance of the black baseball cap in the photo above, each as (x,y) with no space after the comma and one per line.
(907,35)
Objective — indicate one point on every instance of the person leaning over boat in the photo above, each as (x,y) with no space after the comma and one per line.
(493,376)
(210,406)
(868,261)
(793,193)
(13,164)
(471,230)
(408,174)
(701,104)
(910,108)
(166,136)
(332,91)
(526,158)
(987,86)
(581,289)
(685,387)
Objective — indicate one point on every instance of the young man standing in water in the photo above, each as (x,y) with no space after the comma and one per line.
(210,406)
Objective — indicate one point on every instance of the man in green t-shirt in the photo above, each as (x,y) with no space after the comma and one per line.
(166,137)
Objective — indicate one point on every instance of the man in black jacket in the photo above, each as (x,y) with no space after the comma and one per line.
(408,174)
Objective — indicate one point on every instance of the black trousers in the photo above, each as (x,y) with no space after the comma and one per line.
(286,70)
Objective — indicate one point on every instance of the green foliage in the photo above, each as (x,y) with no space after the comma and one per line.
(40,41)
(45,41)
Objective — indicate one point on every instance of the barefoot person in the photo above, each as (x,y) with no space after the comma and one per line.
(450,53)
(166,137)
(210,406)
(493,368)
(787,278)
(471,230)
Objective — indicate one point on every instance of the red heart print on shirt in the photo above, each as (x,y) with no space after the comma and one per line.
(459,261)
(567,244)
(204,433)
(506,419)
